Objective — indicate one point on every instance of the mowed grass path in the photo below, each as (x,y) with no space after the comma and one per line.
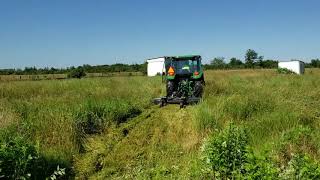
(161,142)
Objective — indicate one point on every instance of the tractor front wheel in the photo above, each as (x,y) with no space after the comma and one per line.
(198,89)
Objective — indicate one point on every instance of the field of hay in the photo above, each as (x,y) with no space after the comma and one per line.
(63,76)
(100,128)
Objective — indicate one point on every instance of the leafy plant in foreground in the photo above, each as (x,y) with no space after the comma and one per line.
(22,160)
(17,159)
(228,156)
(226,153)
(60,172)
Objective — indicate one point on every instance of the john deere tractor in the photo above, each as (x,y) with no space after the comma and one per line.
(184,80)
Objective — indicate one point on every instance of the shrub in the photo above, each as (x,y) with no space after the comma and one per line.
(226,154)
(18,159)
(77,73)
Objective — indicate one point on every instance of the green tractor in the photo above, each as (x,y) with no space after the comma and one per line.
(184,80)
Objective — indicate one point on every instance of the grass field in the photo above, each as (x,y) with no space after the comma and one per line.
(63,76)
(100,128)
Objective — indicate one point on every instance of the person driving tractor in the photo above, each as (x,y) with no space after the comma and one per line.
(186,67)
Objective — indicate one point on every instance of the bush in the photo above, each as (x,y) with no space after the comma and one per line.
(77,73)
(21,159)
(18,159)
(226,154)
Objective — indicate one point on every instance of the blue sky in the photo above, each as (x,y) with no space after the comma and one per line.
(62,33)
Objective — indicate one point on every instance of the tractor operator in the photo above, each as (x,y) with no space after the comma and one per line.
(186,67)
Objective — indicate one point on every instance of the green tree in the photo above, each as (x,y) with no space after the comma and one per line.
(315,63)
(235,63)
(269,64)
(218,63)
(260,61)
(77,73)
(250,57)
(144,68)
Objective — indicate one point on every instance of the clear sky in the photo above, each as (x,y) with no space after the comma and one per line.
(62,33)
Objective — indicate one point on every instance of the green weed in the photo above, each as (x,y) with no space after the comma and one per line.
(226,154)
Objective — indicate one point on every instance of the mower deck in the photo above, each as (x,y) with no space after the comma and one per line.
(162,101)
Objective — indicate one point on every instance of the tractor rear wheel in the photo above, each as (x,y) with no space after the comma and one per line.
(170,88)
(198,89)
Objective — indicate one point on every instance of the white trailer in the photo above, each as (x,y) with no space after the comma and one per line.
(294,66)
(156,66)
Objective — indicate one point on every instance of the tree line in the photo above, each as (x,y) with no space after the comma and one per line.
(251,60)
(85,68)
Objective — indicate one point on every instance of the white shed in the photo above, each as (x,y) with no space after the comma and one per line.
(155,66)
(294,66)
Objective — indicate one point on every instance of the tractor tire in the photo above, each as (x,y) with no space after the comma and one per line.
(170,88)
(198,89)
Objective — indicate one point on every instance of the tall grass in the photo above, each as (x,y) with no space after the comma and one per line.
(108,128)
(267,103)
(53,114)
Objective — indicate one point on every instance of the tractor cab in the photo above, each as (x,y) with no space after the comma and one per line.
(183,66)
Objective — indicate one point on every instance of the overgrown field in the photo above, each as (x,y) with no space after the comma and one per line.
(251,124)
(63,76)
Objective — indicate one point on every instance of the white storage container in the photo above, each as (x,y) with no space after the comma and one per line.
(156,66)
(294,66)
